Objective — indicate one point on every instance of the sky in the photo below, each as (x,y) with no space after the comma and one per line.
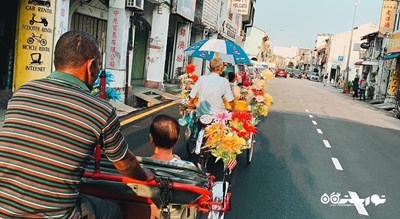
(297,22)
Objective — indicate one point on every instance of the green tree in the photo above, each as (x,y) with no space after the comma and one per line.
(290,65)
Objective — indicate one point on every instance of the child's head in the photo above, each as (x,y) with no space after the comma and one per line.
(231,76)
(164,131)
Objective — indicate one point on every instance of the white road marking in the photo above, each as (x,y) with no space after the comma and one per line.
(336,163)
(311,116)
(358,203)
(314,122)
(326,143)
(307,110)
(319,131)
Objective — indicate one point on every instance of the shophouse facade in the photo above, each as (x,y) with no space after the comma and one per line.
(142,41)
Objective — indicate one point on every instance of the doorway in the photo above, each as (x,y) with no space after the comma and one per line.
(139,53)
(8,22)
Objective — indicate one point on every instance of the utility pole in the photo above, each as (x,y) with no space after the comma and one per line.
(351,42)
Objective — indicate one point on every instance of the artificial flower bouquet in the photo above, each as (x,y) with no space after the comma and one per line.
(188,79)
(228,135)
(258,99)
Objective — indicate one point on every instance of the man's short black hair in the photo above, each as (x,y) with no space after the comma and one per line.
(74,48)
(165,131)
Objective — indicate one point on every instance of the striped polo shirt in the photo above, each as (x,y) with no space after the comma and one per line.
(51,128)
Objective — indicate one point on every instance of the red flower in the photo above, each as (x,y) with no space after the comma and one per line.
(190,68)
(194,77)
(257,92)
(242,116)
(246,83)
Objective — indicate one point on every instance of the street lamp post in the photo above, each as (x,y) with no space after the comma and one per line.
(351,42)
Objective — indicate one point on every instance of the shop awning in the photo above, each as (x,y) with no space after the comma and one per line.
(370,63)
(391,56)
(358,63)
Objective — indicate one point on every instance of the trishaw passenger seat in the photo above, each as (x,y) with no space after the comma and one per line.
(176,172)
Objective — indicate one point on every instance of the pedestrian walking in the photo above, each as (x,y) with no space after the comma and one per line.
(363,87)
(325,79)
(355,86)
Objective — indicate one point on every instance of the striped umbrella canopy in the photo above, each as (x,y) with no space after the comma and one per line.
(227,50)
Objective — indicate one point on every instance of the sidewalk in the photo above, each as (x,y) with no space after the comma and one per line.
(152,97)
(379,104)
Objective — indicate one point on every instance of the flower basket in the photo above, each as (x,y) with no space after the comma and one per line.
(228,135)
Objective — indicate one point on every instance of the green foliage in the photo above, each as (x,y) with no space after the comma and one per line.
(290,65)
(370,92)
(348,85)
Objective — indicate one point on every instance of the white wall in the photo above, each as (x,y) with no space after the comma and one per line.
(340,47)
(253,41)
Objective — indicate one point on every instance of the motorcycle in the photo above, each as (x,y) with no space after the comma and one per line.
(194,134)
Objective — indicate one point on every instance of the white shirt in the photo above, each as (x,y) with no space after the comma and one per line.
(211,89)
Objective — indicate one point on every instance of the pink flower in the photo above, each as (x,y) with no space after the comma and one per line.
(223,116)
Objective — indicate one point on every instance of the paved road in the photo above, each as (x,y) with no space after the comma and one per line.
(315,140)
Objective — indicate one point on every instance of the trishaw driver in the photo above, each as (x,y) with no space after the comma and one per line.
(212,89)
(51,128)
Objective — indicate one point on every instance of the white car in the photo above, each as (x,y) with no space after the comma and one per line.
(314,76)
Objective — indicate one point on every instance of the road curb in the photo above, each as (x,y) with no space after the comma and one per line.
(139,114)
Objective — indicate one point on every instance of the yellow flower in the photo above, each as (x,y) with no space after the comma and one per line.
(268,99)
(267,75)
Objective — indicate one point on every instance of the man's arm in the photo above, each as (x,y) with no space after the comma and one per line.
(130,167)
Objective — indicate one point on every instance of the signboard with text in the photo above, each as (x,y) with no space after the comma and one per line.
(35,41)
(388,16)
(241,6)
(394,43)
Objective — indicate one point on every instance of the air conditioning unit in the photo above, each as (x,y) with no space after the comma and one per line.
(135,4)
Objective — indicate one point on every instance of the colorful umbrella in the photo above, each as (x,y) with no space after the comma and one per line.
(227,50)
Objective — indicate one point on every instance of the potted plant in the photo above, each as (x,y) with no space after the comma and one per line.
(370,92)
(347,87)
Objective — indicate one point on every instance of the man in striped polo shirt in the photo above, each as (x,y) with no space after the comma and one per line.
(51,128)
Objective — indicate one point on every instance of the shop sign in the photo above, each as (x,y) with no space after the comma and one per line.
(241,6)
(230,29)
(393,83)
(186,8)
(117,40)
(182,39)
(35,41)
(365,45)
(388,15)
(394,43)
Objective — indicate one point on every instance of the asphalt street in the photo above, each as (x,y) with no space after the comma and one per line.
(318,154)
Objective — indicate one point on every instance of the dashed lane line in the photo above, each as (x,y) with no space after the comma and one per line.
(326,143)
(336,163)
(311,116)
(314,122)
(320,131)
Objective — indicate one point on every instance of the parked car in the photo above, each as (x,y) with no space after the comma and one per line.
(281,72)
(296,73)
(314,76)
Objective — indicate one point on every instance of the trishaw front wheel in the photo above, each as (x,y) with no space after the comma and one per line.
(250,150)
